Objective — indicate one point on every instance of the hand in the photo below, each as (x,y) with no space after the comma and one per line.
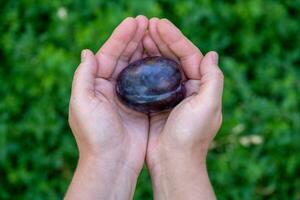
(179,140)
(111,138)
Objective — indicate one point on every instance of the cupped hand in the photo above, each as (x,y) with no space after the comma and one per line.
(118,136)
(181,137)
(103,127)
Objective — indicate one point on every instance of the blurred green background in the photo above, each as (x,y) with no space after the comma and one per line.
(256,153)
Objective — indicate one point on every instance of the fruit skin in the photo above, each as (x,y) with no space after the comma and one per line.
(151,84)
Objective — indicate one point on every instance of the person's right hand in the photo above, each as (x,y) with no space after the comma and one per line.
(179,140)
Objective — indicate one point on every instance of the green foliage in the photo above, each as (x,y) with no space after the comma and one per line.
(255,155)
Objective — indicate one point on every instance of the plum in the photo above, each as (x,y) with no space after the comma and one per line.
(151,84)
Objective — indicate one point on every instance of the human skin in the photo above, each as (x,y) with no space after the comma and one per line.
(111,138)
(179,139)
(114,141)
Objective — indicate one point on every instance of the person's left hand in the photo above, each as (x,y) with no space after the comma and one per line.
(111,138)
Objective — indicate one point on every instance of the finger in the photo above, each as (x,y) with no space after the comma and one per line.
(212,79)
(142,22)
(132,46)
(84,77)
(110,52)
(150,46)
(188,54)
(138,54)
(152,50)
(163,48)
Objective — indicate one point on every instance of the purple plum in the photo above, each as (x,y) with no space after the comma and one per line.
(151,84)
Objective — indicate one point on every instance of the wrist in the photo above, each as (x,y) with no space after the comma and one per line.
(112,166)
(177,166)
(181,177)
(164,158)
(108,178)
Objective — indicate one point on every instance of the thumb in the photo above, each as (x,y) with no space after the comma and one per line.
(85,74)
(212,79)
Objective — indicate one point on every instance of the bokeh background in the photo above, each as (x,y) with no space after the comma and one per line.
(256,155)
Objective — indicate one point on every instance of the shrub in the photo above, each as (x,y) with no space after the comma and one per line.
(253,157)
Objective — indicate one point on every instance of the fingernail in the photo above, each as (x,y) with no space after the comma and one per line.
(140,16)
(83,55)
(214,58)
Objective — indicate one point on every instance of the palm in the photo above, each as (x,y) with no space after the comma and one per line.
(178,115)
(132,125)
(131,122)
(177,123)
(123,47)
